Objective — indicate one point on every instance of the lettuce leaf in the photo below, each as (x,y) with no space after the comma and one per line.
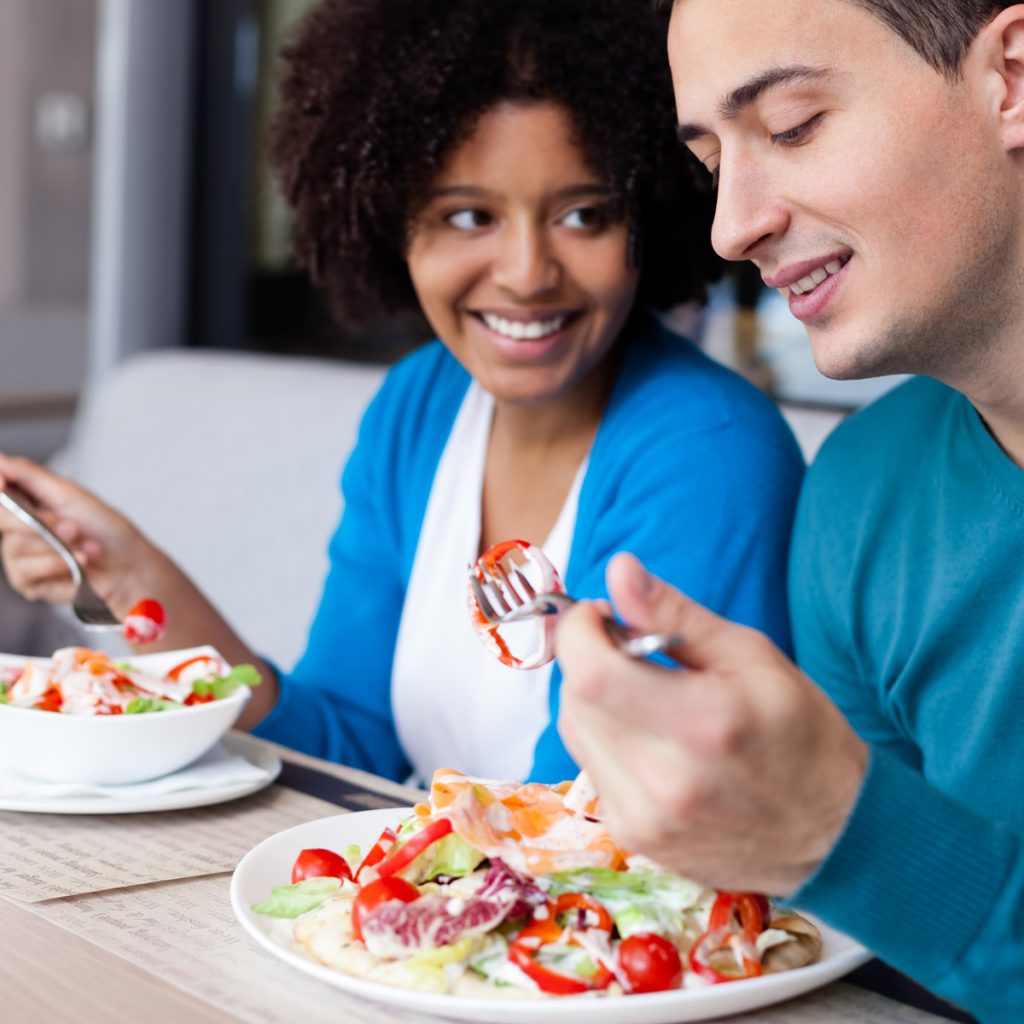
(292,900)
(222,686)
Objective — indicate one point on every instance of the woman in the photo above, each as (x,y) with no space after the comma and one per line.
(510,166)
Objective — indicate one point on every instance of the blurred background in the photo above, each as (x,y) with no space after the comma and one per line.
(136,212)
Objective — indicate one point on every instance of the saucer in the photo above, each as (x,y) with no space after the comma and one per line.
(116,799)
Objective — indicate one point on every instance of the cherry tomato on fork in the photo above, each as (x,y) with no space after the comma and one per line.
(383,890)
(320,863)
(145,622)
(650,962)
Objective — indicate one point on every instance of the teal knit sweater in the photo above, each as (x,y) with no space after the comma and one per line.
(907,598)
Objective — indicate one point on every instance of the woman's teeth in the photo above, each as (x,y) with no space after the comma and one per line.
(524,330)
(815,277)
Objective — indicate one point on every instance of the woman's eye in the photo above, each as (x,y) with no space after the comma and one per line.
(587,217)
(799,134)
(469,220)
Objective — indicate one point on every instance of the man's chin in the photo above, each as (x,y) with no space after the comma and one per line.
(849,359)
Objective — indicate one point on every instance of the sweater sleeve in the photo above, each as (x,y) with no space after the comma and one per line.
(932,888)
(921,878)
(704,499)
(336,702)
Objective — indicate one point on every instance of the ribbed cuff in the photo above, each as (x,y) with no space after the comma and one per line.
(914,875)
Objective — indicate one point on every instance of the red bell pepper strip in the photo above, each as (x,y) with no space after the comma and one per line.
(749,909)
(414,846)
(746,963)
(585,905)
(378,851)
(523,950)
(211,665)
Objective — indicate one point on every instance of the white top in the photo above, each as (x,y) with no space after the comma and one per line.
(455,704)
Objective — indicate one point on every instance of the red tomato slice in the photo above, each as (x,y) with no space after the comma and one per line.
(378,851)
(650,962)
(320,863)
(383,890)
(50,701)
(413,847)
(145,622)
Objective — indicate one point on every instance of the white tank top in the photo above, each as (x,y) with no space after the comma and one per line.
(455,704)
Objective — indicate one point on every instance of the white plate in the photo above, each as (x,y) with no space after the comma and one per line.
(243,746)
(270,864)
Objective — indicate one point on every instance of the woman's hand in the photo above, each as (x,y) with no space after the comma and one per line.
(118,558)
(123,567)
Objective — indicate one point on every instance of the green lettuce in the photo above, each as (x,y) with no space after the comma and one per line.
(640,900)
(292,900)
(222,686)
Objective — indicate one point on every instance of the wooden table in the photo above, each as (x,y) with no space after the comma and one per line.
(75,960)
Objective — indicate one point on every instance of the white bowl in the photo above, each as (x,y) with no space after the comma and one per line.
(112,750)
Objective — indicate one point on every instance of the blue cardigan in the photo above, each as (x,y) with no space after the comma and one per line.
(692,469)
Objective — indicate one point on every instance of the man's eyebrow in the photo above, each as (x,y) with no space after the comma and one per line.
(748,93)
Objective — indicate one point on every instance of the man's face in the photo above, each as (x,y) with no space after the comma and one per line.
(871,189)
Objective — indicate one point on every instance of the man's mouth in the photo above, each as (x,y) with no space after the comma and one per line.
(810,281)
(526,330)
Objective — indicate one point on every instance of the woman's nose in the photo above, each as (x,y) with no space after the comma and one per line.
(526,264)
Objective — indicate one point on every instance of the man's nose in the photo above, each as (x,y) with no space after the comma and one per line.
(749,213)
(526,264)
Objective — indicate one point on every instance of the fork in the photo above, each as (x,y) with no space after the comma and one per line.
(502,602)
(89,608)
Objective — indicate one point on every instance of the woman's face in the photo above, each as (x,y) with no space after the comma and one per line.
(518,256)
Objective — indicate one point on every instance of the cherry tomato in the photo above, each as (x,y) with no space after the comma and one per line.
(650,962)
(383,890)
(145,622)
(320,863)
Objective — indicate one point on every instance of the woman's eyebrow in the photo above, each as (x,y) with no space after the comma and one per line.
(476,192)
(751,91)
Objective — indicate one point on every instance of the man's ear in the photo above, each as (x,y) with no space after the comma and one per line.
(1006,33)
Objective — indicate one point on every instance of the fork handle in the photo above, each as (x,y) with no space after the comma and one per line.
(34,523)
(640,645)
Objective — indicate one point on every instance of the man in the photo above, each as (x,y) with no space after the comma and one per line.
(870,162)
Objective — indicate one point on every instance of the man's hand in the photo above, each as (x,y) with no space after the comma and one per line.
(737,771)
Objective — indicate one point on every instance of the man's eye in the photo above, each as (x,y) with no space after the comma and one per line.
(469,220)
(799,134)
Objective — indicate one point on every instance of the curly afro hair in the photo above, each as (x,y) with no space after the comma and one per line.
(377,93)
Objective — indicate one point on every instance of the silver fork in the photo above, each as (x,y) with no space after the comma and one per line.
(501,601)
(89,608)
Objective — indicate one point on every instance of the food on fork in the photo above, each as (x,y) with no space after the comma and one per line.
(504,889)
(145,623)
(80,681)
(522,644)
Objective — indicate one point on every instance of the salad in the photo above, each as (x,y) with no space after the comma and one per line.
(80,681)
(505,889)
